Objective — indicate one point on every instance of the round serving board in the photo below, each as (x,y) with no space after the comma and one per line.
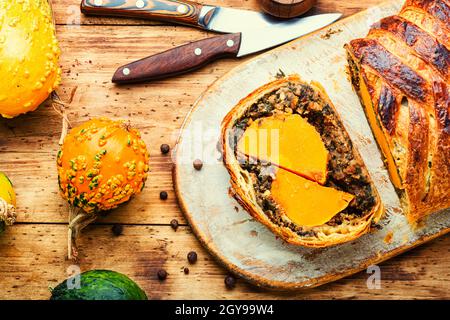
(245,246)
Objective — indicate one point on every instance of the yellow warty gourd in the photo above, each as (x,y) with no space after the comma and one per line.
(29,56)
(102,164)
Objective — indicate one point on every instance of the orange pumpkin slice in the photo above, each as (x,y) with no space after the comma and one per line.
(379,135)
(305,202)
(289,142)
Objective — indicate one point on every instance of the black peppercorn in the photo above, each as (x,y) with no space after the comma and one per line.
(162,274)
(174,224)
(198,164)
(163,195)
(117,229)
(165,148)
(186,270)
(192,257)
(230,282)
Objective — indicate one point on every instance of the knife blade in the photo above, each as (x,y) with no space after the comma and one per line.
(212,18)
(196,54)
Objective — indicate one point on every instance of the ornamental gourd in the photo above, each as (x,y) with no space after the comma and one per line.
(29,56)
(101,164)
(7,202)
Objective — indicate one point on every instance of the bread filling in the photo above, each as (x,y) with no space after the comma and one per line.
(347,188)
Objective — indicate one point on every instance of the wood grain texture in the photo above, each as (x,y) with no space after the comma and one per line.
(32,252)
(32,260)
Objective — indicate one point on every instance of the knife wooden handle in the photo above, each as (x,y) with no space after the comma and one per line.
(179,60)
(178,11)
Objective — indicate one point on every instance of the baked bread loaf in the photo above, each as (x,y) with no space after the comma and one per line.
(314,189)
(401,74)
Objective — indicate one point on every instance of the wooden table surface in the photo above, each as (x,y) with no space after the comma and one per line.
(33,252)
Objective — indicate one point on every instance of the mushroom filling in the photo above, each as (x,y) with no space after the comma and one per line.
(345,172)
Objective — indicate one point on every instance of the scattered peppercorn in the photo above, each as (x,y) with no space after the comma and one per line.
(163,195)
(162,274)
(117,229)
(165,148)
(230,282)
(186,270)
(192,257)
(174,224)
(198,164)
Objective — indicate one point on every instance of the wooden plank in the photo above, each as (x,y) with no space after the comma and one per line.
(87,84)
(32,259)
(87,71)
(29,143)
(67,11)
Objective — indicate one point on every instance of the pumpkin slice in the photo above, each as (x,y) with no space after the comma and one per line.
(289,142)
(369,109)
(305,202)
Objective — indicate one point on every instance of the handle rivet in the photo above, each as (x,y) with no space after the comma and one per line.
(140,4)
(230,43)
(198,51)
(126,71)
(98,2)
(182,9)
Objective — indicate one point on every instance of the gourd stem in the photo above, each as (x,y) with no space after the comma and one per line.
(7,212)
(60,108)
(78,220)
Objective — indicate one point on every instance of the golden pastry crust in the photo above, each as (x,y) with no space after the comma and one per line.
(431,16)
(243,189)
(403,64)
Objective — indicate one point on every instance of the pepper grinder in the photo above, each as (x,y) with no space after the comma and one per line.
(286,8)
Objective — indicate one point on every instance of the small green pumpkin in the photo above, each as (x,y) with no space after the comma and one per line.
(100,285)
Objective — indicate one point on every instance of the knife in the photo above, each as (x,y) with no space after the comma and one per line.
(196,54)
(212,18)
